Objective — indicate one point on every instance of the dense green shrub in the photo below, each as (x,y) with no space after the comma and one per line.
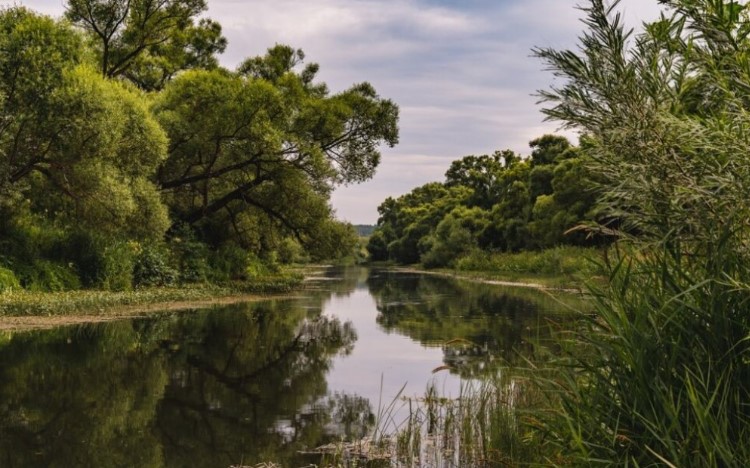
(8,280)
(191,257)
(118,261)
(152,267)
(101,262)
(290,251)
(43,275)
(229,262)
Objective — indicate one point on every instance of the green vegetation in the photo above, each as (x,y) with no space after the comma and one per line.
(490,204)
(559,266)
(130,158)
(660,374)
(480,427)
(95,302)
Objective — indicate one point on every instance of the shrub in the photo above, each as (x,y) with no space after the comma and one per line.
(230,262)
(43,275)
(118,263)
(190,256)
(290,251)
(153,268)
(8,280)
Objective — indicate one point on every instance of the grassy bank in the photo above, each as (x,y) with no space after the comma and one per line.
(560,267)
(96,302)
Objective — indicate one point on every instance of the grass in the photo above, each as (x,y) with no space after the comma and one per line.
(660,374)
(558,266)
(96,302)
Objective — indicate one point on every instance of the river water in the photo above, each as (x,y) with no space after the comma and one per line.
(257,382)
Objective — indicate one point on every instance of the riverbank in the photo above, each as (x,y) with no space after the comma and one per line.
(559,269)
(26,310)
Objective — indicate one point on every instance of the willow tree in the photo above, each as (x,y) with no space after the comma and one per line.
(266,141)
(666,380)
(148,41)
(74,148)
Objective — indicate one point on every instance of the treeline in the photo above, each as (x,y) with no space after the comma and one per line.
(499,202)
(129,157)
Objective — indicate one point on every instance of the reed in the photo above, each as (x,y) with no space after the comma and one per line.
(660,374)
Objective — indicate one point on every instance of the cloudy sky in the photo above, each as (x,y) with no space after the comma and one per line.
(460,70)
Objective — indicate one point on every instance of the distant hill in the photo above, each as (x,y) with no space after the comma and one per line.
(364,230)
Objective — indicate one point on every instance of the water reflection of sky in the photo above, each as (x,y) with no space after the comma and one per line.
(397,358)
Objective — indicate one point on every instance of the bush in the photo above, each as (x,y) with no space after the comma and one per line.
(230,262)
(101,262)
(8,280)
(290,251)
(118,261)
(190,255)
(43,275)
(153,268)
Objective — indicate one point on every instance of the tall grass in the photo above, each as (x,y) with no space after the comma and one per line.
(661,372)
(486,424)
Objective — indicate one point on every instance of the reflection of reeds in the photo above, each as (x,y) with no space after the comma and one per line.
(483,426)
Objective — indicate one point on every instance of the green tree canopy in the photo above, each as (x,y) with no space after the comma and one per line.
(267,142)
(148,41)
(76,146)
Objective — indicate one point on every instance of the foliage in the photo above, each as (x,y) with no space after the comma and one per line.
(499,202)
(43,275)
(559,261)
(8,280)
(148,41)
(93,168)
(153,267)
(663,376)
(264,147)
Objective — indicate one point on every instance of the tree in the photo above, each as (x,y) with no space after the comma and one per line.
(407,222)
(78,148)
(266,142)
(148,41)
(481,174)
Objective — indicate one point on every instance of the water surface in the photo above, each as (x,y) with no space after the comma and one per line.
(256,382)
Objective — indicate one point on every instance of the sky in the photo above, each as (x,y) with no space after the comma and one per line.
(461,71)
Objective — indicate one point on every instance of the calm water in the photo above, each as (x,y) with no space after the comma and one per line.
(252,383)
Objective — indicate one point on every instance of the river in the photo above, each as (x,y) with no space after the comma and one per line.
(257,382)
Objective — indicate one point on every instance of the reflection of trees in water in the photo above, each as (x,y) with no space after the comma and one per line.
(479,326)
(336,281)
(200,389)
(234,380)
(79,397)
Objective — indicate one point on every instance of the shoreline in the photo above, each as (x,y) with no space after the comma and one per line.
(20,323)
(118,307)
(477,277)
